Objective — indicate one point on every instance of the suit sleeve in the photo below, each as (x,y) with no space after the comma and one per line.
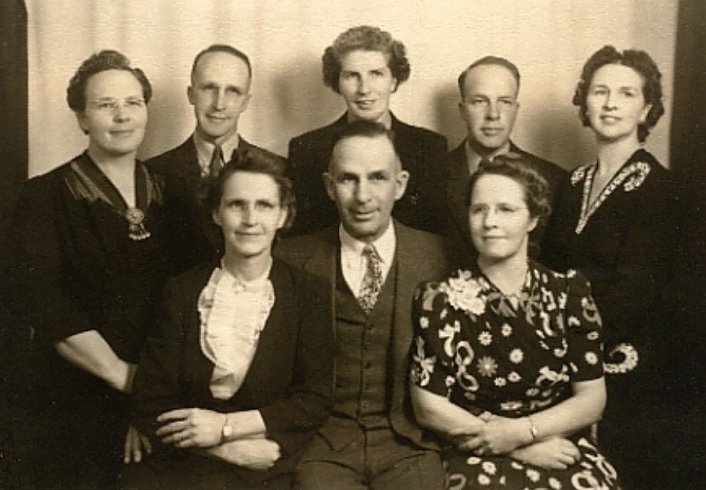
(292,420)
(157,386)
(305,176)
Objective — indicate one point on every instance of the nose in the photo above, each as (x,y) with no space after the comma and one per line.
(219,100)
(609,102)
(493,111)
(362,192)
(249,216)
(364,85)
(489,217)
(121,112)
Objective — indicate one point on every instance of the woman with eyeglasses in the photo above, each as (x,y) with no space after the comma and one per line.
(88,263)
(616,223)
(507,360)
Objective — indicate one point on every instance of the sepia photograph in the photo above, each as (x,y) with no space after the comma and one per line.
(330,245)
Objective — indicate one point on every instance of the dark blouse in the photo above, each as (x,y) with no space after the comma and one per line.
(623,242)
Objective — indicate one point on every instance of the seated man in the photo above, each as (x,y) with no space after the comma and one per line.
(373,264)
(365,66)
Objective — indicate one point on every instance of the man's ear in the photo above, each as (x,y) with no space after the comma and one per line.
(190,94)
(216,217)
(330,185)
(401,180)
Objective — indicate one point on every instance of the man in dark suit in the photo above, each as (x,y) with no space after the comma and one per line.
(220,93)
(488,106)
(365,66)
(373,264)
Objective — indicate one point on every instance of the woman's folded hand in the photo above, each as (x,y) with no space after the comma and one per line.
(554,454)
(191,427)
(254,454)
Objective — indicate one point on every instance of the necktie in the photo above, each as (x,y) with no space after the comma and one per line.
(216,159)
(372,280)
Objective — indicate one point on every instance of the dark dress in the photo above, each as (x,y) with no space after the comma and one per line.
(623,243)
(78,269)
(290,381)
(484,354)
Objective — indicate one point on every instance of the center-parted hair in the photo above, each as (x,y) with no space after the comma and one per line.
(365,38)
(517,168)
(254,161)
(105,60)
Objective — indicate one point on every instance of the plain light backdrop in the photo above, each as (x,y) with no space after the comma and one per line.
(548,40)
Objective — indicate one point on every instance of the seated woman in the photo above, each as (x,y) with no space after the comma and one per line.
(507,361)
(239,374)
(87,266)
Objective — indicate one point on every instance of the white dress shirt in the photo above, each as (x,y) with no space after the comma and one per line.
(354,263)
(204,151)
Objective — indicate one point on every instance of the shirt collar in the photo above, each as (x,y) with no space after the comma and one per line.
(204,149)
(385,244)
(253,285)
(473,159)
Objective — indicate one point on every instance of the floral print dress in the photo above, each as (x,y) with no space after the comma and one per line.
(486,352)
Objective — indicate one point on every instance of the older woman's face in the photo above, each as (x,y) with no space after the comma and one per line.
(115,115)
(615,103)
(499,219)
(250,213)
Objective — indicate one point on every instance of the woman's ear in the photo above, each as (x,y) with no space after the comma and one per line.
(216,217)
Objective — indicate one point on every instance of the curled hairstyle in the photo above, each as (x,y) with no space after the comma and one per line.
(639,61)
(107,59)
(222,48)
(259,162)
(366,38)
(366,129)
(517,168)
(489,60)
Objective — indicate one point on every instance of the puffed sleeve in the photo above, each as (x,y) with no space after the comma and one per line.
(157,388)
(432,362)
(292,420)
(583,324)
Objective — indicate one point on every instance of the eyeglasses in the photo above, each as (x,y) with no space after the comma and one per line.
(110,105)
(502,210)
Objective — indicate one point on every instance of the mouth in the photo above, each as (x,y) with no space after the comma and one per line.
(120,133)
(217,119)
(363,215)
(491,131)
(365,104)
(610,119)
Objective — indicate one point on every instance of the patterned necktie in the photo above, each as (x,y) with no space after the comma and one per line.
(216,159)
(372,280)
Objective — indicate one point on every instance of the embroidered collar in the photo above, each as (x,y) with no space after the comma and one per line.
(630,177)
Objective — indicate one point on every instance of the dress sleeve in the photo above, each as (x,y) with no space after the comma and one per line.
(156,387)
(292,420)
(583,324)
(40,263)
(432,352)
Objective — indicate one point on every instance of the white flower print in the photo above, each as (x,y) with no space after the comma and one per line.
(516,356)
(424,322)
(489,467)
(506,330)
(483,479)
(500,381)
(532,475)
(464,293)
(554,483)
(487,366)
(511,406)
(532,392)
(485,338)
(514,377)
(449,381)
(591,358)
(592,335)
(424,365)
(559,353)
(515,465)
(448,333)
(473,460)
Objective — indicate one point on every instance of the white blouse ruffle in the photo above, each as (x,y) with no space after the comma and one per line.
(233,312)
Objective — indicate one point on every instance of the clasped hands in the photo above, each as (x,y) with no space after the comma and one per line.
(196,428)
(498,435)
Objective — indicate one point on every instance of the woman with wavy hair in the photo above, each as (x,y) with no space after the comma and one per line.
(615,223)
(507,360)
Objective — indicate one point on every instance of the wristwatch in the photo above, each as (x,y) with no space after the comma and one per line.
(226,430)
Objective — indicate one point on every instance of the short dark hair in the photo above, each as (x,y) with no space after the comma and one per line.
(256,161)
(517,168)
(366,129)
(366,38)
(105,60)
(489,60)
(222,48)
(639,61)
